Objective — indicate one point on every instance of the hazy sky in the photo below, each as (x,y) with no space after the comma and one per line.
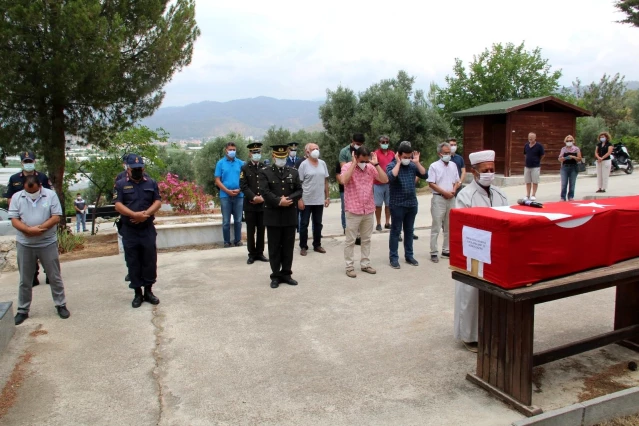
(297,49)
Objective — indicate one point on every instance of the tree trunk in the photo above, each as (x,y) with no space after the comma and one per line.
(95,211)
(55,156)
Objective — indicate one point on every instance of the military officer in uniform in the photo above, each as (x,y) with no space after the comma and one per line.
(137,199)
(253,203)
(292,160)
(281,188)
(16,184)
(123,174)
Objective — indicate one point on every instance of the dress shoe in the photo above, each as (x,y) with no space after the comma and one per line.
(127,278)
(239,244)
(275,283)
(395,264)
(351,273)
(150,297)
(369,270)
(63,311)
(303,252)
(137,300)
(445,254)
(20,317)
(288,280)
(412,261)
(227,245)
(261,258)
(250,261)
(320,249)
(387,226)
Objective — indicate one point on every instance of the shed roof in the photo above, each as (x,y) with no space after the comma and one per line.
(506,107)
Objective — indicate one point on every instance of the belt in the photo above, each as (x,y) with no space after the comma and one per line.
(436,193)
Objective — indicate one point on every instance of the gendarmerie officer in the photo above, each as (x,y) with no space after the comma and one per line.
(281,188)
(16,184)
(137,199)
(253,203)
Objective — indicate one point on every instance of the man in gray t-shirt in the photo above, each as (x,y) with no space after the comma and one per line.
(314,177)
(35,213)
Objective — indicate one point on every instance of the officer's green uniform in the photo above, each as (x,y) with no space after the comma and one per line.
(253,212)
(280,221)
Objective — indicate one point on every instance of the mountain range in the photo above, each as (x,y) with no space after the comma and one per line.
(250,117)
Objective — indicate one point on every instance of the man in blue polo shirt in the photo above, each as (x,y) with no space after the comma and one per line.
(227,178)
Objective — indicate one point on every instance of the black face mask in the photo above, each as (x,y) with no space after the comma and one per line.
(136,174)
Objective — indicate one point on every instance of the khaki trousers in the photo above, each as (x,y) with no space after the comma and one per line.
(603,173)
(440,210)
(362,224)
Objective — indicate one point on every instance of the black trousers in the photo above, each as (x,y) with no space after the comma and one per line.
(141,255)
(316,212)
(254,224)
(281,242)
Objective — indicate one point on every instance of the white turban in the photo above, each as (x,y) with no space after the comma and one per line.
(482,157)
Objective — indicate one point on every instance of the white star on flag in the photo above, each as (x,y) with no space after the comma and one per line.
(599,206)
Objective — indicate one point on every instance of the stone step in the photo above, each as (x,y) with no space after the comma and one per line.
(7,324)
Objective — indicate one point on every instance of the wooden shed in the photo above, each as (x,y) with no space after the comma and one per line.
(504,128)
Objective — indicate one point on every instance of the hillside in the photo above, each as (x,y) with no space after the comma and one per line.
(250,117)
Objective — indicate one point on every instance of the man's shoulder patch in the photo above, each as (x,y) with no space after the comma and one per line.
(128,187)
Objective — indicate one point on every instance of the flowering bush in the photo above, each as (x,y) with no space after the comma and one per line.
(183,196)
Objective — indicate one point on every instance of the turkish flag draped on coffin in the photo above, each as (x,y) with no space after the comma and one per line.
(515,246)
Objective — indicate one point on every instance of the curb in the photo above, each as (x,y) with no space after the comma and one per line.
(589,413)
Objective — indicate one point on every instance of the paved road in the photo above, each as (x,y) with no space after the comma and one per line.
(224,348)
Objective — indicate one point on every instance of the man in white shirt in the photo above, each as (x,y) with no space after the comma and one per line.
(443,180)
(479,193)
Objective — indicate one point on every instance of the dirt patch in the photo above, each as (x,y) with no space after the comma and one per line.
(537,377)
(9,393)
(622,421)
(604,383)
(94,246)
(36,333)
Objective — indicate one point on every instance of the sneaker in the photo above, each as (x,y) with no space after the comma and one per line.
(445,254)
(412,261)
(369,270)
(351,273)
(378,228)
(395,264)
(533,198)
(239,244)
(434,258)
(387,226)
(227,245)
(525,198)
(471,346)
(63,311)
(20,317)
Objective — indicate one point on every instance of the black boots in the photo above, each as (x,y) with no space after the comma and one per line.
(149,296)
(137,300)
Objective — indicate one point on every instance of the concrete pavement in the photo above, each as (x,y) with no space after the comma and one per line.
(224,348)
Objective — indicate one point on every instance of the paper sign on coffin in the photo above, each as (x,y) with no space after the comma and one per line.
(515,246)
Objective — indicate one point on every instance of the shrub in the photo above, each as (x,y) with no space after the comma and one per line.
(183,196)
(68,241)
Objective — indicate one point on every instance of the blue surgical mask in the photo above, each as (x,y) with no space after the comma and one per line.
(28,167)
(445,158)
(384,146)
(231,154)
(602,140)
(256,157)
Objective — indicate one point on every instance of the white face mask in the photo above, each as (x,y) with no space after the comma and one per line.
(34,196)
(256,157)
(602,140)
(315,154)
(293,154)
(453,148)
(362,165)
(445,158)
(486,179)
(280,162)
(568,144)
(405,161)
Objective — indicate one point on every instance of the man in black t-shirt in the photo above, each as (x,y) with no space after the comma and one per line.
(534,153)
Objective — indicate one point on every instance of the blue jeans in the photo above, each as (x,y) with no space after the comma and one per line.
(80,218)
(232,206)
(401,217)
(568,177)
(341,196)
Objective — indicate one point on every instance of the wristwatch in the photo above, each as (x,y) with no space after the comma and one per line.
(375,165)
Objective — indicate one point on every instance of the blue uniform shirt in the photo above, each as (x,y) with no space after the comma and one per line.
(16,183)
(229,173)
(459,162)
(137,197)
